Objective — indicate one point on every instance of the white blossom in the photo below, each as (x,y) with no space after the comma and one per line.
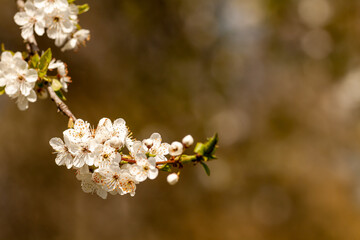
(62,72)
(80,133)
(59,26)
(31,18)
(176,148)
(116,179)
(88,184)
(48,6)
(144,168)
(78,38)
(18,79)
(64,157)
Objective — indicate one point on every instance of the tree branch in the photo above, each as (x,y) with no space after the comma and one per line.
(62,107)
(32,48)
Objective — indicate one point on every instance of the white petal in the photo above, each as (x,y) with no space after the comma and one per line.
(21,66)
(30,9)
(52,31)
(134,170)
(40,3)
(153,173)
(31,75)
(3,81)
(152,161)
(22,103)
(67,26)
(60,39)
(70,45)
(24,89)
(79,160)
(12,88)
(40,28)
(27,31)
(56,143)
(6,57)
(60,159)
(32,97)
(21,18)
(17,55)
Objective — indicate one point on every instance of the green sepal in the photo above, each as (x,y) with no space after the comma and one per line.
(2,90)
(3,47)
(60,95)
(34,61)
(206,168)
(45,60)
(56,85)
(165,168)
(83,8)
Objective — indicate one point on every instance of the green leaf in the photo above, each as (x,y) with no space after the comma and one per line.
(2,90)
(56,85)
(60,95)
(71,1)
(166,168)
(45,60)
(210,145)
(83,8)
(206,168)
(34,61)
(199,148)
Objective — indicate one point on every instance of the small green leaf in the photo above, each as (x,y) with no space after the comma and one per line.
(166,168)
(199,148)
(34,61)
(83,8)
(45,60)
(56,85)
(2,90)
(71,1)
(206,168)
(60,95)
(210,145)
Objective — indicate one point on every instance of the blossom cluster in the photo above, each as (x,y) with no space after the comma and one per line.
(58,17)
(100,160)
(21,80)
(17,80)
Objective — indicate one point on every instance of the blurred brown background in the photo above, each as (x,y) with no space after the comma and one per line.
(279,80)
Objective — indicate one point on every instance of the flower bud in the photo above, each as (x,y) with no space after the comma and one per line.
(176,148)
(148,143)
(172,178)
(188,141)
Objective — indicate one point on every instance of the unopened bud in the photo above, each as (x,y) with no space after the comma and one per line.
(176,148)
(172,178)
(188,141)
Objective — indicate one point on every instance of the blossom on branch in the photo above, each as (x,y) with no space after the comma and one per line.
(104,164)
(58,17)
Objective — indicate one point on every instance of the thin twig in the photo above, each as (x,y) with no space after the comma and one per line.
(62,107)
(32,48)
